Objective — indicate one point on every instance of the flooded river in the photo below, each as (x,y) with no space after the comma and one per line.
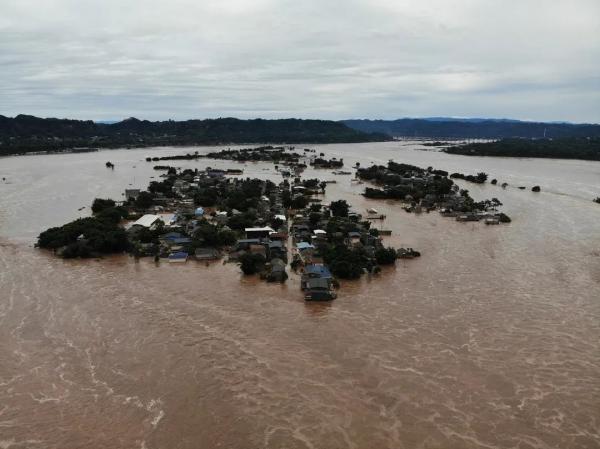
(490,340)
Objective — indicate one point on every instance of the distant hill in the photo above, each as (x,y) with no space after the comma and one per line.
(467,119)
(563,148)
(25,133)
(439,127)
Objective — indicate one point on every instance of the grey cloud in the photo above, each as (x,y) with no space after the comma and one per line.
(336,59)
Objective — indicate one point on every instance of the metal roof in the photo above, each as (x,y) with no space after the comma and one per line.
(265,229)
(147,220)
(320,270)
(319,283)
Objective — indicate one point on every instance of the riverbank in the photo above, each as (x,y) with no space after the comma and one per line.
(565,148)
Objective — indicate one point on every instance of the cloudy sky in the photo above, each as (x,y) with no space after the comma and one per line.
(160,59)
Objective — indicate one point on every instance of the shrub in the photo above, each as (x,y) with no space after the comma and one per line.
(504,218)
(251,263)
(385,256)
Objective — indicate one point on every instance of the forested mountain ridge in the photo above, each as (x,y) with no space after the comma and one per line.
(474,128)
(25,133)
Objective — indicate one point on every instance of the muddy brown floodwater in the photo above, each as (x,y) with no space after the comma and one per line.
(490,340)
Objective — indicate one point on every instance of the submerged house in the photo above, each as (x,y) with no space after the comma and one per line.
(258,233)
(305,251)
(277,271)
(131,194)
(258,249)
(354,238)
(277,249)
(220,217)
(207,254)
(278,236)
(319,289)
(315,271)
(215,173)
(178,257)
(244,244)
(181,241)
(181,185)
(171,236)
(304,246)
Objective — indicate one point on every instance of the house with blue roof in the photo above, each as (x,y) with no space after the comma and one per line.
(171,236)
(178,257)
(302,246)
(315,271)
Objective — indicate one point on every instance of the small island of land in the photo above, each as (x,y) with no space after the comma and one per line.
(207,215)
(215,213)
(424,190)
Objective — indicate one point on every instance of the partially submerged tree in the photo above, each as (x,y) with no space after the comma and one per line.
(339,208)
(251,263)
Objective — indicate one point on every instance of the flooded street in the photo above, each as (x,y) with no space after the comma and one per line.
(490,340)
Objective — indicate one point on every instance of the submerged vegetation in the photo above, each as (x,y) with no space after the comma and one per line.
(264,153)
(90,236)
(429,189)
(320,162)
(480,178)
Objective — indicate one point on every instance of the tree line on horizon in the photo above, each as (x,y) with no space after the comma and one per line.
(25,133)
(566,148)
(474,129)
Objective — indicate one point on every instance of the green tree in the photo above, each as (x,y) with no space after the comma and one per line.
(339,208)
(251,263)
(144,200)
(314,218)
(100,204)
(276,223)
(299,202)
(385,256)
